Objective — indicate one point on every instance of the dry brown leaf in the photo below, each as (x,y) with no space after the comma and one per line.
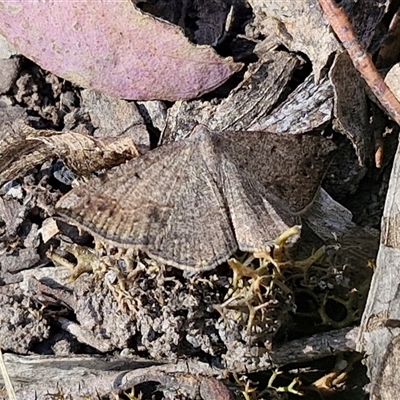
(85,154)
(18,155)
(23,147)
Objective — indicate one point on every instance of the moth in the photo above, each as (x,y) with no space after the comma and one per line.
(193,203)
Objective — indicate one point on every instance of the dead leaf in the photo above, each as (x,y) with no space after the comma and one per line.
(114,48)
(85,154)
(17,154)
(23,147)
(49,229)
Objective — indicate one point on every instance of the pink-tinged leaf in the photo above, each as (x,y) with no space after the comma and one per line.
(113,47)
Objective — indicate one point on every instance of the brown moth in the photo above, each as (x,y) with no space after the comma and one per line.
(193,203)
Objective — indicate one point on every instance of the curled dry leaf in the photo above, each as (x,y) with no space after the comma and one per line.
(249,105)
(84,154)
(17,155)
(113,48)
(22,147)
(263,85)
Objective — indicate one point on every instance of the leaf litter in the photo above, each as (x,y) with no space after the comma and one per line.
(158,311)
(24,147)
